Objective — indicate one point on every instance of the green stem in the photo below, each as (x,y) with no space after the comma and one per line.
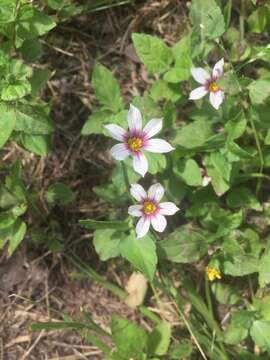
(242,21)
(229,14)
(125,174)
(208,296)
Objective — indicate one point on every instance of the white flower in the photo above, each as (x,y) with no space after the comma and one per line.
(209,84)
(150,209)
(136,139)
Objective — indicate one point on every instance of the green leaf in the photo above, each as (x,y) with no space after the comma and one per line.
(38,144)
(189,171)
(243,197)
(267,138)
(241,265)
(95,224)
(236,126)
(39,79)
(6,219)
(106,89)
(16,90)
(141,253)
(264,269)
(7,123)
(106,243)
(184,245)
(220,185)
(260,333)
(159,339)
(207,18)
(194,134)
(33,121)
(181,350)
(129,338)
(238,328)
(59,193)
(221,165)
(16,236)
(32,23)
(258,20)
(259,91)
(153,52)
(31,50)
(95,122)
(157,162)
(162,90)
(7,11)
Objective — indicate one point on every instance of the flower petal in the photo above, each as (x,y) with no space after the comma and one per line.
(200,75)
(216,98)
(218,69)
(134,118)
(152,127)
(158,146)
(116,131)
(198,93)
(142,227)
(168,208)
(156,192)
(138,192)
(135,210)
(119,151)
(140,164)
(159,222)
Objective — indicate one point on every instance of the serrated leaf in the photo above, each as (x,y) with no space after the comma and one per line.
(59,194)
(106,89)
(129,338)
(184,245)
(16,90)
(207,18)
(141,253)
(153,52)
(106,243)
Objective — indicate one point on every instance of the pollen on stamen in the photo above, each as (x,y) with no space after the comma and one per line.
(213,87)
(135,143)
(149,207)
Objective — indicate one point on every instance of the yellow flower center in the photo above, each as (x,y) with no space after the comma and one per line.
(149,207)
(135,143)
(212,273)
(213,87)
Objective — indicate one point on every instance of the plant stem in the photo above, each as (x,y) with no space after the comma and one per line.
(242,21)
(208,295)
(125,174)
(228,20)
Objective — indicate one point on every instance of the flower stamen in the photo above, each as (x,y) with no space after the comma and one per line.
(212,273)
(213,87)
(135,143)
(149,207)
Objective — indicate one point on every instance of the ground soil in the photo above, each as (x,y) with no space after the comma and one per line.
(36,284)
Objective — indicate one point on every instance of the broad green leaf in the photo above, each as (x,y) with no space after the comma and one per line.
(157,162)
(106,89)
(106,243)
(39,79)
(31,50)
(241,265)
(220,185)
(264,269)
(181,350)
(96,224)
(7,218)
(258,20)
(16,236)
(38,144)
(184,245)
(207,18)
(189,171)
(238,328)
(193,135)
(221,165)
(129,338)
(153,52)
(162,90)
(159,339)
(32,23)
(141,253)
(259,332)
(95,122)
(7,123)
(16,90)
(225,293)
(7,11)
(259,91)
(243,197)
(262,305)
(236,126)
(33,121)
(59,194)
